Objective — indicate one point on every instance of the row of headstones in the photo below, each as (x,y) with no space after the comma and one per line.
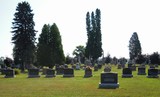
(34,73)
(69,72)
(133,67)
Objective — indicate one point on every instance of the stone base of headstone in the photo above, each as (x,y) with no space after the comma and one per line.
(127,75)
(33,76)
(109,85)
(141,73)
(151,76)
(68,75)
(85,76)
(50,76)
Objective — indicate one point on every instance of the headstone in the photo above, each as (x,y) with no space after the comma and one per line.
(33,73)
(88,72)
(59,71)
(68,72)
(133,68)
(50,73)
(96,68)
(99,66)
(9,73)
(109,80)
(77,67)
(152,73)
(119,66)
(141,71)
(127,73)
(107,69)
(129,63)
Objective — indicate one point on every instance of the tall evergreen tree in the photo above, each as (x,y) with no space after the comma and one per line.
(88,28)
(50,49)
(56,43)
(134,46)
(24,34)
(94,45)
(43,49)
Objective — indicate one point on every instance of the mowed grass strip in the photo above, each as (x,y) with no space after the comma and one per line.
(21,86)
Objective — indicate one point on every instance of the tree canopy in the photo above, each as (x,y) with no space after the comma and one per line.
(134,46)
(94,43)
(23,34)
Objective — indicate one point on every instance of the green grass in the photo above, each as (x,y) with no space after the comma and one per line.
(21,86)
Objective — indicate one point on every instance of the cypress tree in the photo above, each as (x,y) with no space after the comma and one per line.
(94,45)
(134,46)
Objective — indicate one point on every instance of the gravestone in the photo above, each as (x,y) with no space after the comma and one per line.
(141,71)
(50,73)
(33,73)
(152,73)
(59,70)
(88,72)
(9,73)
(99,66)
(133,68)
(96,68)
(107,69)
(127,73)
(109,80)
(77,67)
(68,72)
(119,66)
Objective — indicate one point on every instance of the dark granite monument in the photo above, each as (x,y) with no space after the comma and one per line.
(141,71)
(50,73)
(88,72)
(152,73)
(127,73)
(109,80)
(33,73)
(9,73)
(68,72)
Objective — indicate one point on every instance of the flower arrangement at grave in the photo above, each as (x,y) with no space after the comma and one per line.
(88,68)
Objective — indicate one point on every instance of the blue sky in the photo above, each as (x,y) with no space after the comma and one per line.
(119,19)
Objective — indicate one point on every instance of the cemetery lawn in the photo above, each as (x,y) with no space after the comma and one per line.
(21,86)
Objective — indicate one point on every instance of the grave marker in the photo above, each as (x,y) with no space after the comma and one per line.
(50,73)
(109,80)
(33,73)
(68,72)
(127,73)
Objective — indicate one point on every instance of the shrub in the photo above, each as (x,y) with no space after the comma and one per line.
(17,71)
